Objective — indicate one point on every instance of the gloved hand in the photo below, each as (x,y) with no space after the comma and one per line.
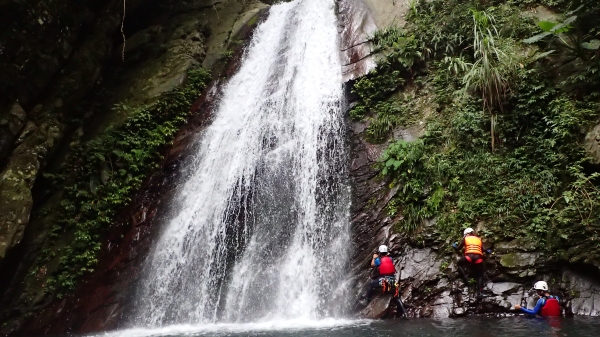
(455,245)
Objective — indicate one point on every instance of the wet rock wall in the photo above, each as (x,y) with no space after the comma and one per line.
(429,281)
(163,42)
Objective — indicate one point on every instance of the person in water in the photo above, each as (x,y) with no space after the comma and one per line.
(384,265)
(547,305)
(473,258)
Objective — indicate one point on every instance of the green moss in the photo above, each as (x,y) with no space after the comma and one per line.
(102,174)
(508,260)
(252,21)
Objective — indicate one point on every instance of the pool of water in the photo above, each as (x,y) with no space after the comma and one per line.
(464,327)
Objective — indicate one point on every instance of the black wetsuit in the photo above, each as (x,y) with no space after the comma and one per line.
(477,268)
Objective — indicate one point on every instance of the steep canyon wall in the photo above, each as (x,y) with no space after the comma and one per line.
(88,92)
(77,88)
(429,281)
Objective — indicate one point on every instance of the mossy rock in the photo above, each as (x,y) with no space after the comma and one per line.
(519,260)
(16,203)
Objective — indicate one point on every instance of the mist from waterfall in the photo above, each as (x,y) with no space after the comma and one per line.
(259,230)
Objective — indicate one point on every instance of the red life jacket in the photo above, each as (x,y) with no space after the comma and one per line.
(386,268)
(551,307)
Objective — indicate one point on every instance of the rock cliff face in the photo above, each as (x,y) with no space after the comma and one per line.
(90,89)
(156,59)
(357,25)
(429,281)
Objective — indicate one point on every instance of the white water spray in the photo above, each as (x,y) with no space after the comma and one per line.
(259,229)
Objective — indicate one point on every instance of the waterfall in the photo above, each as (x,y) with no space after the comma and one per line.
(259,229)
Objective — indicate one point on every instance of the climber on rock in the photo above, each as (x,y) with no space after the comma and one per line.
(384,265)
(473,258)
(547,305)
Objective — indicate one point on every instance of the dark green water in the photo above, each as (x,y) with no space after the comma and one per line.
(464,327)
(484,327)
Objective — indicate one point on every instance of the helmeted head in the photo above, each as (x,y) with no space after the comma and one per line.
(468,231)
(383,249)
(541,286)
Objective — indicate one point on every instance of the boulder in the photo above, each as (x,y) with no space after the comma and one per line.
(140,45)
(443,305)
(221,26)
(419,266)
(520,260)
(585,293)
(378,308)
(514,246)
(505,294)
(503,288)
(246,21)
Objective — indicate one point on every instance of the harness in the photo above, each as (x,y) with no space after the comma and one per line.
(389,285)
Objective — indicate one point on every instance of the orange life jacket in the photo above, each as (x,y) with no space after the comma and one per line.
(473,245)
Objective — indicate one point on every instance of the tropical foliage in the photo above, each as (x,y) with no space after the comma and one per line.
(100,177)
(532,179)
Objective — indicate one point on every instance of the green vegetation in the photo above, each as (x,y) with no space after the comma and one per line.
(495,64)
(532,178)
(401,52)
(573,40)
(101,175)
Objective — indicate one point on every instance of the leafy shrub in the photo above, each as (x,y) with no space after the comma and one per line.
(102,174)
(539,184)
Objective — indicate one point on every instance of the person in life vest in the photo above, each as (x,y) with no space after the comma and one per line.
(386,270)
(473,257)
(547,305)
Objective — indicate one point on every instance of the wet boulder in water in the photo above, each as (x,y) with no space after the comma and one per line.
(379,307)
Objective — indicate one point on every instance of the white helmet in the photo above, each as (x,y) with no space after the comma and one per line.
(468,231)
(383,249)
(541,285)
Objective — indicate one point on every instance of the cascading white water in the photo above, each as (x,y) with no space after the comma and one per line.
(259,230)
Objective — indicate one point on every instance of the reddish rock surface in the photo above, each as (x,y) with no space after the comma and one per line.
(104,296)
